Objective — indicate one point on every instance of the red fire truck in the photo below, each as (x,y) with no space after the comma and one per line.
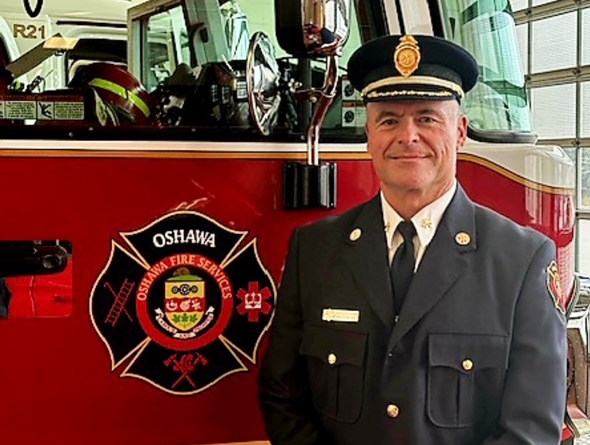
(170,167)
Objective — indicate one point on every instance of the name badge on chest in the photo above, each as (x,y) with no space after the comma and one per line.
(341,315)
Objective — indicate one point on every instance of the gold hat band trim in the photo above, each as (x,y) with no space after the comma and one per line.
(412,80)
(373,94)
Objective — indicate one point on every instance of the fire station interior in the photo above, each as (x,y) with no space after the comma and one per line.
(201,71)
(188,77)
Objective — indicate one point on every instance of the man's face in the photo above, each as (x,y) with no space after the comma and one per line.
(414,144)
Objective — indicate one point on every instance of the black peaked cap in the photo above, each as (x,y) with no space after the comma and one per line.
(412,67)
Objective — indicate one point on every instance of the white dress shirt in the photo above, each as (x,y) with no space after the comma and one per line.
(426,222)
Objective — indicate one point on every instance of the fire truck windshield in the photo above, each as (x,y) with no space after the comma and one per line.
(182,73)
(487,30)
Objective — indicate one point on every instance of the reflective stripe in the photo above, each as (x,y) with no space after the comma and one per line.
(122,92)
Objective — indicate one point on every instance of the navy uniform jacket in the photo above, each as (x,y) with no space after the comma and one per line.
(478,355)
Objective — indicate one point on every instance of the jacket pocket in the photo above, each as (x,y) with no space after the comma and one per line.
(465,378)
(335,362)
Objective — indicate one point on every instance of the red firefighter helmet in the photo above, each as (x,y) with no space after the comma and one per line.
(118,88)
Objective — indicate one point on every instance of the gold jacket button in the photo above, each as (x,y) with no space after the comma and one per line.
(462,239)
(355,234)
(332,359)
(392,411)
(467,365)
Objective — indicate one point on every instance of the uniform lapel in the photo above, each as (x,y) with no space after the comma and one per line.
(367,258)
(443,263)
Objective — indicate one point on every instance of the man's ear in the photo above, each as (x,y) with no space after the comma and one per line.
(462,124)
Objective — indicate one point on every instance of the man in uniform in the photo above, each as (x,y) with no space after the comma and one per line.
(419,317)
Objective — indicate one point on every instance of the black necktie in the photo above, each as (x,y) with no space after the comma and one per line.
(402,265)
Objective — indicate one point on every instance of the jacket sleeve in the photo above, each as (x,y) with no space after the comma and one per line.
(534,398)
(284,397)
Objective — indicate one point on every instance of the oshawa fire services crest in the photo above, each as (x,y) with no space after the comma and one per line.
(184,303)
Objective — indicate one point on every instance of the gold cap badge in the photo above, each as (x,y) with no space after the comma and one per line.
(407,55)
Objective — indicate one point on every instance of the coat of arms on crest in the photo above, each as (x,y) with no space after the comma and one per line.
(184,304)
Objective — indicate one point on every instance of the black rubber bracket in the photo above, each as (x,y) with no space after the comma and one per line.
(309,186)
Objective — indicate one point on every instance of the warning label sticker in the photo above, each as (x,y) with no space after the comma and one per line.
(42,107)
(20,109)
